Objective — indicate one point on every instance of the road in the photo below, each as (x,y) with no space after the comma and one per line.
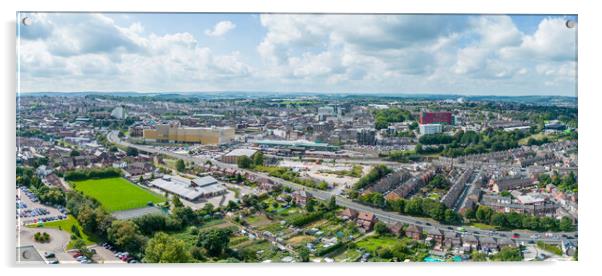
(383,215)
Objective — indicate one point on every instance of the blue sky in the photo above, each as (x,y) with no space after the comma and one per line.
(456,54)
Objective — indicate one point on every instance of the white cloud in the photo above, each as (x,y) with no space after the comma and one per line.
(221,28)
(385,53)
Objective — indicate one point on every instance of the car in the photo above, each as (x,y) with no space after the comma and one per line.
(134,261)
(570,237)
(515,235)
(54,262)
(531,241)
(428,224)
(49,255)
(450,228)
(503,235)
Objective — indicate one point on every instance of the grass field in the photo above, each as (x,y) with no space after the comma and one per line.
(483,226)
(116,194)
(67,225)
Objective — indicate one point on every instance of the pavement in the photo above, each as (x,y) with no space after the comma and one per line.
(57,244)
(341,201)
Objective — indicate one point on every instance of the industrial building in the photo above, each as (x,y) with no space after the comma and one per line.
(202,135)
(192,190)
(233,156)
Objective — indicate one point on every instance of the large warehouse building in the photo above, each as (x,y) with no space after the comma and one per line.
(202,135)
(436,118)
(192,190)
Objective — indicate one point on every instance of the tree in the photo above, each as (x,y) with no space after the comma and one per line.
(126,235)
(381,228)
(509,254)
(131,151)
(332,203)
(565,224)
(499,220)
(176,202)
(484,214)
(214,241)
(310,205)
(87,219)
(180,166)
(304,254)
(74,153)
(244,162)
(163,248)
(80,245)
(477,256)
(258,158)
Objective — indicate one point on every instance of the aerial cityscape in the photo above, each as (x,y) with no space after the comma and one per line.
(393,138)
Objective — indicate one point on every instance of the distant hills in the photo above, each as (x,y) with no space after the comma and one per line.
(527,99)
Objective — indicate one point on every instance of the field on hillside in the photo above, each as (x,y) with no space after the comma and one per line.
(116,194)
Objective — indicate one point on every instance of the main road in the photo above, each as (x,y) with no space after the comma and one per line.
(386,216)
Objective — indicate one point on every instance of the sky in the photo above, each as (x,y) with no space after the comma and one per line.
(330,53)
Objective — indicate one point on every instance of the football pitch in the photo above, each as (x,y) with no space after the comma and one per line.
(116,193)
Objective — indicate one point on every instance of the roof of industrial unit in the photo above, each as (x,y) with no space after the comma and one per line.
(181,186)
(242,152)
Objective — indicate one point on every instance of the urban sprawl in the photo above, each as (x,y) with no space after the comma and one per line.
(177,178)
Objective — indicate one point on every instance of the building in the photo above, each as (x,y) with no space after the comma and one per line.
(301,197)
(366,136)
(366,220)
(202,135)
(192,190)
(510,183)
(299,145)
(430,128)
(435,117)
(414,232)
(233,156)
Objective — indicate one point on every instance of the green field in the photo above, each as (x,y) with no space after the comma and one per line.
(66,225)
(116,194)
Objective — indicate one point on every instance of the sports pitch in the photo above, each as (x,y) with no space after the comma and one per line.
(116,194)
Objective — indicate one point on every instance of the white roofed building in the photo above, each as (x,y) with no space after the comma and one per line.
(192,190)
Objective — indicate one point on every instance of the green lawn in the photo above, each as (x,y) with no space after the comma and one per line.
(483,226)
(66,225)
(374,242)
(117,193)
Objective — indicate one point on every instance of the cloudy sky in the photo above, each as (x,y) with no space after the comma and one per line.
(456,54)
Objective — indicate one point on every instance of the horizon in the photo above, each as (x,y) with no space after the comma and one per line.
(376,94)
(505,55)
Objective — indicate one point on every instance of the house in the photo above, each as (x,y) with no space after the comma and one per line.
(452,240)
(435,235)
(396,228)
(414,232)
(301,197)
(469,243)
(488,244)
(348,214)
(505,242)
(366,220)
(506,184)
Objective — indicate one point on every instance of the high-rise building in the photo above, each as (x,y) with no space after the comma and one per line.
(435,118)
